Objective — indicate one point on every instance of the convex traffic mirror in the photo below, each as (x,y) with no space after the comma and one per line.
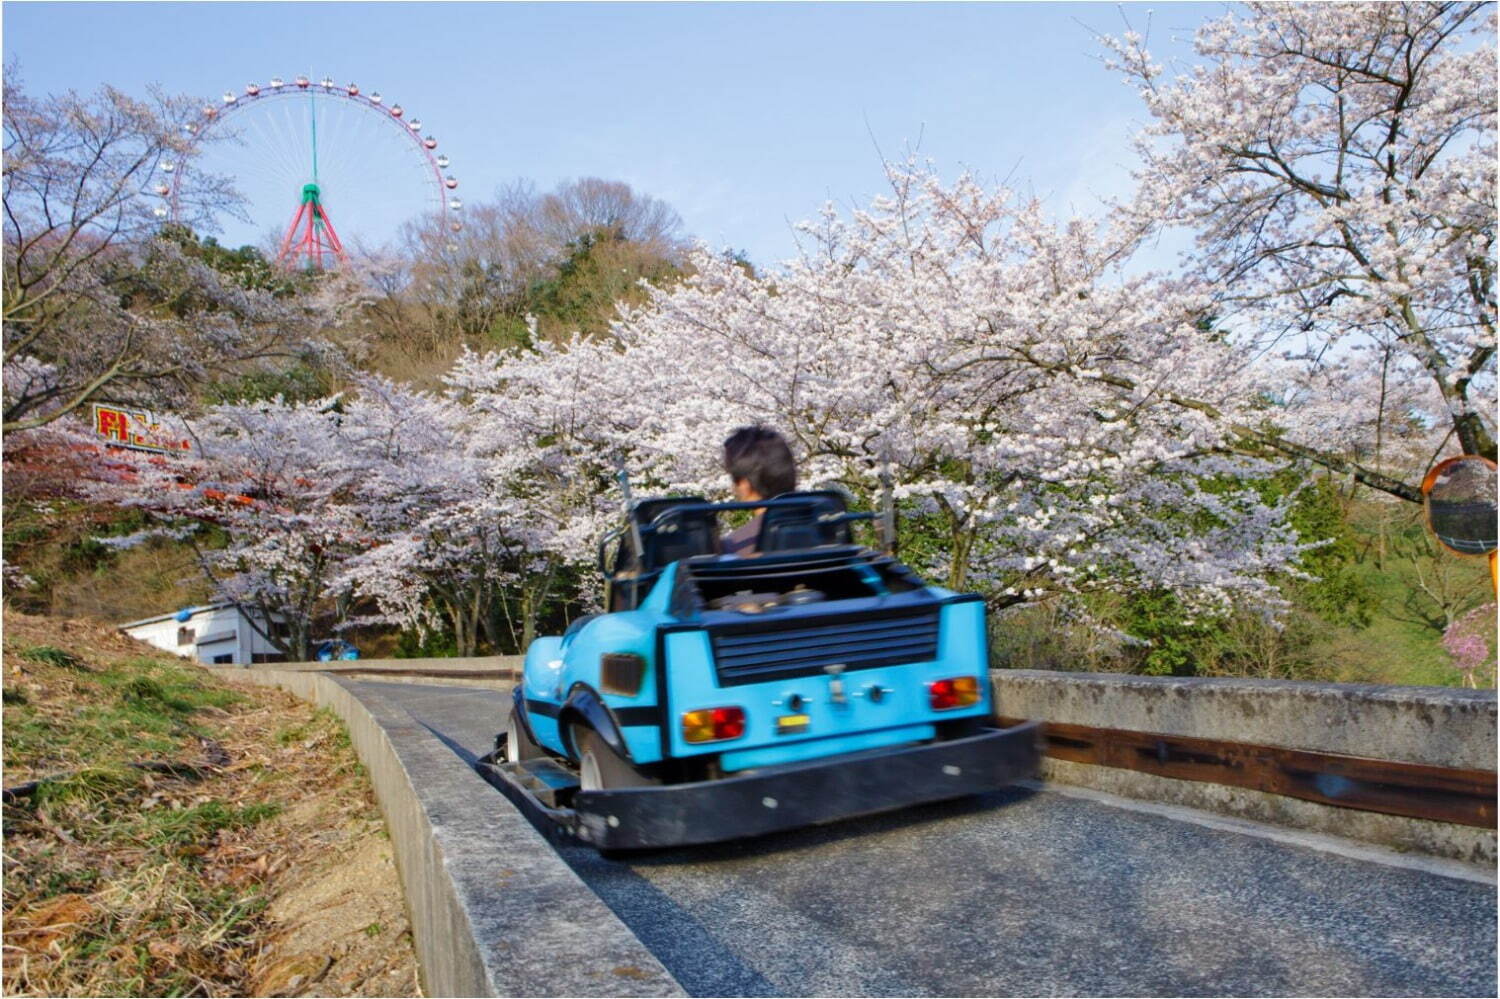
(1460,500)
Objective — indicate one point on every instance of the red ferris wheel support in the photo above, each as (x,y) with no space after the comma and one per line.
(311,237)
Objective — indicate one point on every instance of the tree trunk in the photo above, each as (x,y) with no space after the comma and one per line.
(300,643)
(961,544)
(498,625)
(528,618)
(463,629)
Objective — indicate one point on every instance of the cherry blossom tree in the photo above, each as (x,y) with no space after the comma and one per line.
(476,507)
(273,477)
(1020,386)
(1337,165)
(432,534)
(547,446)
(1021,389)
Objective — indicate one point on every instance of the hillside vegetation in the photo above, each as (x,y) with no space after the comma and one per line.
(169,834)
(537,268)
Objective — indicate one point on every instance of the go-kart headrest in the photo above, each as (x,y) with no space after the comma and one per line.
(690,533)
(804,520)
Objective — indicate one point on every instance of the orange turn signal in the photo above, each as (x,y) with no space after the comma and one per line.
(959,692)
(713,724)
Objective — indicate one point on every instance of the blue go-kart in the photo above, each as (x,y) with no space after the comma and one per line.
(335,649)
(724,696)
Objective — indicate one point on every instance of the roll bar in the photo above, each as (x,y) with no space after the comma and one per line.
(662,523)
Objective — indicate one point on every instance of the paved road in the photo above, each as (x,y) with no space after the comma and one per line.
(1026,892)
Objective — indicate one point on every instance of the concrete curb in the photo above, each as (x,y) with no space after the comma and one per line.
(479,665)
(494,910)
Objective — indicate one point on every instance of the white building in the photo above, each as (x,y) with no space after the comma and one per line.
(219,633)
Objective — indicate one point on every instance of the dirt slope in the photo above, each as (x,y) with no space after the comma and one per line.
(246,857)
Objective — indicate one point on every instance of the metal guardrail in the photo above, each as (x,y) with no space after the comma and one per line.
(1415,790)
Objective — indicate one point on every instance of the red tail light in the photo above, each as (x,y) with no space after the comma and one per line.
(958,692)
(713,724)
(729,723)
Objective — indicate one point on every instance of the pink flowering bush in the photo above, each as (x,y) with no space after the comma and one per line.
(1471,642)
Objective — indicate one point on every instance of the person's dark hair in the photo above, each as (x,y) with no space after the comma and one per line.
(760,456)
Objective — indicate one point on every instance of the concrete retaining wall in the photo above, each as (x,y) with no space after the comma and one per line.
(494,910)
(496,672)
(1430,725)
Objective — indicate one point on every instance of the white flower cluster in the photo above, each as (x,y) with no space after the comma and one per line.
(1337,163)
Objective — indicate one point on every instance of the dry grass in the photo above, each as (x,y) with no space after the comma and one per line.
(123,881)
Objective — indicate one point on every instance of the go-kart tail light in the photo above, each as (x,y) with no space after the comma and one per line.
(713,724)
(958,692)
(621,673)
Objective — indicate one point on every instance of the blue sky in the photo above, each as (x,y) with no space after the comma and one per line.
(744,117)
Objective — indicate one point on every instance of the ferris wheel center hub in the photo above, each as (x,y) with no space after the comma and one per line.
(310,240)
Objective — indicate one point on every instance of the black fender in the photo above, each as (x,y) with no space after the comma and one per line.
(518,708)
(584,706)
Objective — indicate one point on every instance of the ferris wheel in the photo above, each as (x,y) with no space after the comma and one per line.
(310,152)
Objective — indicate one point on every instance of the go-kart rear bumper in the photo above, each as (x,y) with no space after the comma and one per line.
(794,795)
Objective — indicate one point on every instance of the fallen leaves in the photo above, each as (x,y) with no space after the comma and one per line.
(37,930)
(291,976)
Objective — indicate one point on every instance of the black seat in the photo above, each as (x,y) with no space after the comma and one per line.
(682,536)
(814,520)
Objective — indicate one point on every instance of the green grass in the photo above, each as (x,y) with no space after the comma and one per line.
(96,832)
(1403,642)
(138,709)
(65,879)
(292,734)
(324,725)
(49,655)
(102,805)
(327,716)
(1408,585)
(198,824)
(122,880)
(92,786)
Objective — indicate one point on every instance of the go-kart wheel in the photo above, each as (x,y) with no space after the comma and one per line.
(599,769)
(518,745)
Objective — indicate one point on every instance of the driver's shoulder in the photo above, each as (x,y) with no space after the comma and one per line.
(741,540)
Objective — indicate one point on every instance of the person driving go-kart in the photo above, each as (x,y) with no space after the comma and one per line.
(719,697)
(760,464)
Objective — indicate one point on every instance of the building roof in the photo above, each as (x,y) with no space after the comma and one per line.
(204,609)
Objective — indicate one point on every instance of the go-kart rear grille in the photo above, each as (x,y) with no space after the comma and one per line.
(754,656)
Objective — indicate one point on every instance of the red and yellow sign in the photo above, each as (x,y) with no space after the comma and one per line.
(134,429)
